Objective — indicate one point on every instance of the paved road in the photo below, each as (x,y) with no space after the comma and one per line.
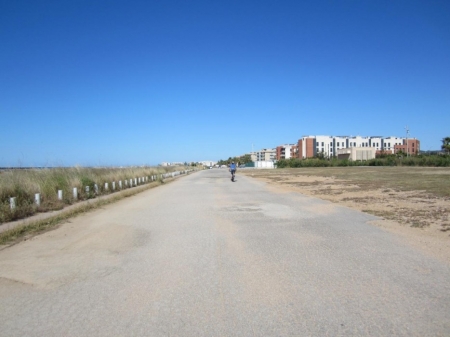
(206,257)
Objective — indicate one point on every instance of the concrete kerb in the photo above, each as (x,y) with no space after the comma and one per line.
(68,209)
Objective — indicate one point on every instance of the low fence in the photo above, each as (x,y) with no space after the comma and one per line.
(108,188)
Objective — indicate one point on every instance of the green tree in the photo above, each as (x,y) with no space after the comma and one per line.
(446,144)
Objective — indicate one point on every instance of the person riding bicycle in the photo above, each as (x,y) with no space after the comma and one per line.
(232,169)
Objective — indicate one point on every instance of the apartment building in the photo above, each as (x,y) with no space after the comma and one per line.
(376,142)
(324,145)
(306,147)
(409,146)
(358,141)
(286,151)
(340,142)
(310,146)
(264,155)
(389,143)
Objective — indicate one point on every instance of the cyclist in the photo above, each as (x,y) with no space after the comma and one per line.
(232,170)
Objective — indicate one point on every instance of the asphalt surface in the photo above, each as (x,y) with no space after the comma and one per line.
(203,256)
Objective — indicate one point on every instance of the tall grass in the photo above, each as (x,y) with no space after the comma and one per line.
(24,184)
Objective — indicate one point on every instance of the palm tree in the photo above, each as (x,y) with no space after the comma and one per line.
(446,144)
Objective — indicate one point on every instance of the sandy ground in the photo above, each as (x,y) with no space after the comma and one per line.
(421,219)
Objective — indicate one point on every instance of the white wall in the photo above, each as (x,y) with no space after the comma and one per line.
(376,142)
(324,144)
(264,164)
(339,143)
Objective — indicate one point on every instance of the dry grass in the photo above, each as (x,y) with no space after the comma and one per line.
(415,196)
(24,184)
(35,227)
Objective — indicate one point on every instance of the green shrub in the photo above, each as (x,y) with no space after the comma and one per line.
(383,160)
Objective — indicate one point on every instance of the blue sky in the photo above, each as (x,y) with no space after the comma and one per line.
(141,82)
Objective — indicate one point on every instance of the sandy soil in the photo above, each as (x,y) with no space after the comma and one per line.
(420,218)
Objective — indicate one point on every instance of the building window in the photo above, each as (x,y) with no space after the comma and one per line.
(322,144)
(317,144)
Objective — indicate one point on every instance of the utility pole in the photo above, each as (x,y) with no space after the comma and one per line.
(407,133)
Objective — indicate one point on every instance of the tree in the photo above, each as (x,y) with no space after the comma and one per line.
(446,144)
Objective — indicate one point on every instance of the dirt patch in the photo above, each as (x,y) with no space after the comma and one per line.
(412,203)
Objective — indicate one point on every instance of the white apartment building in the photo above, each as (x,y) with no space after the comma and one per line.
(310,146)
(390,142)
(324,144)
(376,142)
(358,141)
(287,150)
(340,142)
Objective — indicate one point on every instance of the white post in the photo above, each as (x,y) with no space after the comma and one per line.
(120,184)
(37,199)
(131,182)
(113,185)
(12,202)
(87,189)
(139,180)
(106,186)
(96,188)
(60,194)
(135,181)
(75,193)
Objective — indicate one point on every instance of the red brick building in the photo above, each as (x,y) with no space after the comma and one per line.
(409,146)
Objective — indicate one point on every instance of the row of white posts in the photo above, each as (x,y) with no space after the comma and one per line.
(126,183)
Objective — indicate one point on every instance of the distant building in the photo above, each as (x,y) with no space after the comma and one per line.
(311,146)
(410,147)
(357,153)
(306,147)
(208,163)
(265,155)
(389,143)
(286,151)
(171,164)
